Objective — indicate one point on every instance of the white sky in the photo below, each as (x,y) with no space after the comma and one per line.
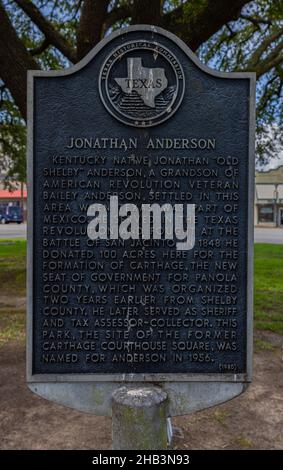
(275,162)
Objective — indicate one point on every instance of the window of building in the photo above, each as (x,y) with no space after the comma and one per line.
(266,213)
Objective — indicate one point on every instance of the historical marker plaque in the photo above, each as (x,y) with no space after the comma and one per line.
(140,133)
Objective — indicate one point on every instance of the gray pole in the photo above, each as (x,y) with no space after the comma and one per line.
(139,418)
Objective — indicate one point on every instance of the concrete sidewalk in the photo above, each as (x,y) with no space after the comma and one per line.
(13,231)
(268,235)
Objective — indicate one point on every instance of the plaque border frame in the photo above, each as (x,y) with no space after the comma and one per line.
(37,380)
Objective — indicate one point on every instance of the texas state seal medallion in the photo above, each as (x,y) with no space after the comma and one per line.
(142,83)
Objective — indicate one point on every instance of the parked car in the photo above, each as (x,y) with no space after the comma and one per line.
(10,214)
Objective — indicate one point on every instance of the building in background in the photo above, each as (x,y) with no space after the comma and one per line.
(16,195)
(269,198)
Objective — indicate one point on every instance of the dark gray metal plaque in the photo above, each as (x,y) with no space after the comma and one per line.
(142,120)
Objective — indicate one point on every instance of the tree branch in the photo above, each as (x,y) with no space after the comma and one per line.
(195,22)
(254,60)
(279,70)
(40,48)
(50,33)
(117,14)
(91,25)
(15,61)
(256,21)
(270,62)
(266,95)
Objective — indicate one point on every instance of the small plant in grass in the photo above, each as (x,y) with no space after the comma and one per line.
(221,416)
(244,442)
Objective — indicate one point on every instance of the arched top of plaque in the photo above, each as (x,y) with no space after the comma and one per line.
(142,79)
(124,34)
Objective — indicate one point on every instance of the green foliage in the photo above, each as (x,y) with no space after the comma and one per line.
(237,47)
(12,139)
(62,14)
(192,10)
(13,152)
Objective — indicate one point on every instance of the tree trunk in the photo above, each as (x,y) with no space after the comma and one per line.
(91,25)
(15,61)
(147,12)
(200,20)
(44,25)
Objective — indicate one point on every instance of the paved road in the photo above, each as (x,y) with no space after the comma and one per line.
(269,235)
(262,235)
(13,231)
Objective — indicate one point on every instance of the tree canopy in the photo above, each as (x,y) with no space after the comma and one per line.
(228,35)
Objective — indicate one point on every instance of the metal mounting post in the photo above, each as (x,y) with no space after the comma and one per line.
(139,418)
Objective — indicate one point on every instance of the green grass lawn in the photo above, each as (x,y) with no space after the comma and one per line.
(268,289)
(12,288)
(13,267)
